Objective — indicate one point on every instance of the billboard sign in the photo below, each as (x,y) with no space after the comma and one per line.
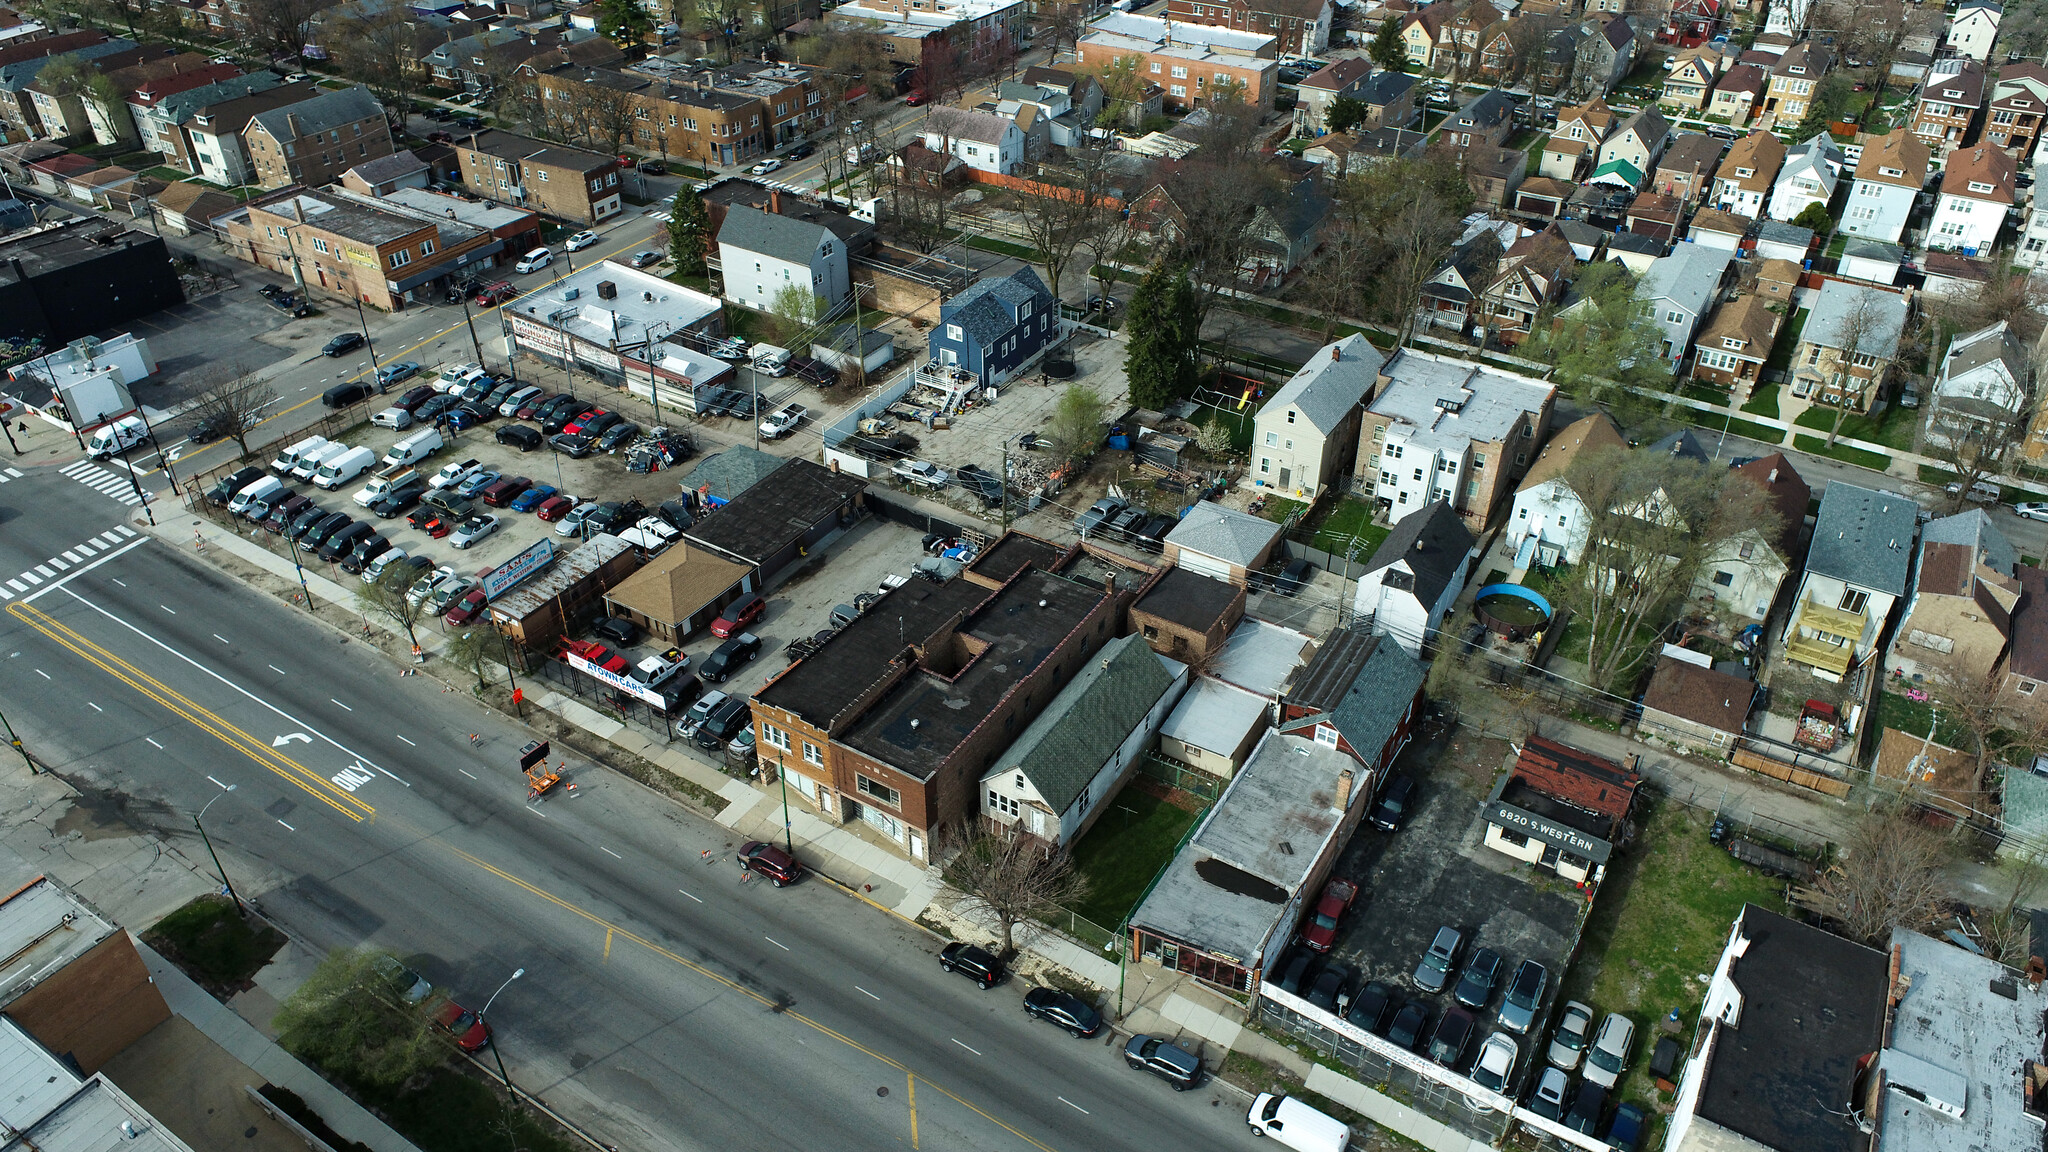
(500,580)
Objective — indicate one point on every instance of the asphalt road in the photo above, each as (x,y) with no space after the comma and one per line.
(665,1004)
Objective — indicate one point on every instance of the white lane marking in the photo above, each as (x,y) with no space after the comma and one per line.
(15,473)
(82,571)
(777,943)
(59,565)
(276,669)
(339,704)
(609,852)
(109,537)
(964,1046)
(117,580)
(124,530)
(221,638)
(296,722)
(464,771)
(222,787)
(159,747)
(44,571)
(530,808)
(403,738)
(43,674)
(72,468)
(5,594)
(31,577)
(1074,1106)
(82,551)
(94,707)
(288,826)
(17,585)
(168,608)
(866,993)
(698,899)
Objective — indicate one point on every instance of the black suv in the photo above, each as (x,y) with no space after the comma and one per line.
(1394,803)
(1064,1009)
(727,658)
(391,503)
(972,963)
(221,493)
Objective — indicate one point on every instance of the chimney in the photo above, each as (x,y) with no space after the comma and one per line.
(775,201)
(1344,790)
(1109,584)
(1418,544)
(1773,477)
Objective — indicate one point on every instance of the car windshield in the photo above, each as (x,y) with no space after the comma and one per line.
(1605,1060)
(1325,920)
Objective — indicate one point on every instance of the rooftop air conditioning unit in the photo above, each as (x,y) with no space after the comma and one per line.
(607,290)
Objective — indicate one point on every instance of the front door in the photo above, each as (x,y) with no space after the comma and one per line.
(1284,473)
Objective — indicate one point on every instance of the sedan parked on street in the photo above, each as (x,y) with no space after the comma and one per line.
(1063,1009)
(1164,1059)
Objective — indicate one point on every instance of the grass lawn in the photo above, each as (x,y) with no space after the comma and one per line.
(1892,428)
(1280,508)
(1350,522)
(1818,445)
(1125,850)
(1788,341)
(1658,926)
(1708,422)
(1913,717)
(999,247)
(213,944)
(1712,394)
(1764,401)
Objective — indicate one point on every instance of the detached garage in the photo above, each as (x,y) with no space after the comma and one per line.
(1221,543)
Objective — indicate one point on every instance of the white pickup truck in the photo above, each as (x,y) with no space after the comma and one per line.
(783,421)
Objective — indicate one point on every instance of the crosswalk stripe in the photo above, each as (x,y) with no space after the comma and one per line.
(124,530)
(31,577)
(44,570)
(75,467)
(130,501)
(5,594)
(17,585)
(83,550)
(109,538)
(14,473)
(59,565)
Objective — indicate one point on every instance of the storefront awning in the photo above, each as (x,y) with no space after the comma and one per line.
(461,263)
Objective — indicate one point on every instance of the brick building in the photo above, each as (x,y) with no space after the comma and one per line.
(1187,60)
(333,241)
(718,116)
(555,180)
(1301,26)
(315,140)
(1187,615)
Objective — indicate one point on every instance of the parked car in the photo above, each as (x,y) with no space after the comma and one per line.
(770,861)
(583,421)
(1452,1036)
(616,629)
(1321,930)
(473,530)
(618,436)
(2031,509)
(1625,1133)
(921,474)
(1375,1003)
(1608,1056)
(1553,1090)
(1524,996)
(1293,578)
(342,344)
(1097,513)
(1574,1031)
(474,483)
(573,446)
(1331,990)
(534,261)
(783,421)
(802,151)
(532,498)
(972,963)
(1586,1108)
(469,1029)
(771,164)
(1482,972)
(1496,1062)
(580,241)
(505,490)
(393,373)
(467,609)
(1392,809)
(1164,1059)
(1410,1025)
(571,523)
(554,508)
(520,436)
(739,615)
(1064,1010)
(646,259)
(729,657)
(1434,972)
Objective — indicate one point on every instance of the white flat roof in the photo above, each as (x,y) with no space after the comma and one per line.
(1259,657)
(1488,402)
(43,928)
(643,301)
(1163,32)
(483,214)
(1214,716)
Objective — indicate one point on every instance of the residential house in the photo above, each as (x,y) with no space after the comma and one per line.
(1687,170)
(1342,80)
(1638,141)
(1419,31)
(761,254)
(1305,436)
(387,174)
(1338,153)
(1060,774)
(1484,122)
(1808,177)
(716,116)
(2018,101)
(1978,188)
(1449,429)
(1984,389)
(1604,53)
(1414,576)
(2030,250)
(1797,73)
(1825,369)
(1974,28)
(1654,216)
(1953,274)
(1548,524)
(1690,83)
(1459,38)
(1738,93)
(32,109)
(1533,273)
(1581,130)
(356,247)
(1389,99)
(2026,662)
(1856,569)
(1561,809)
(483,60)
(199,130)
(1731,350)
(1189,60)
(1748,173)
(994,328)
(1959,603)
(1221,543)
(112,123)
(185,207)
(1679,290)
(1946,115)
(1285,232)
(315,140)
(1302,27)
(1186,615)
(983,141)
(1695,705)
(1494,174)
(560,181)
(978,36)
(21,62)
(1889,175)
(1361,695)
(1450,297)
(1739,580)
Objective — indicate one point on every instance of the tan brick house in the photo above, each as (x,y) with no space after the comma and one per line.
(314,141)
(552,179)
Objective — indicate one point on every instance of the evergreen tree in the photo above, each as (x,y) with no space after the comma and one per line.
(624,22)
(1163,344)
(1343,114)
(688,221)
(1387,49)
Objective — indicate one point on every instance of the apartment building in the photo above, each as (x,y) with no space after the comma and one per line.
(720,116)
(315,140)
(382,253)
(21,65)
(1302,27)
(1452,430)
(1826,369)
(1949,103)
(567,183)
(1789,91)
(1978,188)
(979,34)
(1189,61)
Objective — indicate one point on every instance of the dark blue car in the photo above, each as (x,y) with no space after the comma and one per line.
(463,416)
(530,499)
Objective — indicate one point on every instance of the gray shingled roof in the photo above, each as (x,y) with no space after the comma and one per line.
(782,237)
(20,74)
(182,106)
(1373,704)
(1229,535)
(321,113)
(1838,301)
(1679,443)
(1974,530)
(1332,384)
(980,310)
(1433,541)
(1863,537)
(1384,88)
(1083,726)
(727,474)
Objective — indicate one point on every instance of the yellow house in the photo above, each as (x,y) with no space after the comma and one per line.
(1419,34)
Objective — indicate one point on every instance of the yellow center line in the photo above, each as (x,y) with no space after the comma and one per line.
(912,1077)
(250,746)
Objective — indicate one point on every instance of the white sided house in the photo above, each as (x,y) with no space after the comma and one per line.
(762,253)
(1549,524)
(1306,435)
(1412,580)
(1856,570)
(1809,176)
(983,141)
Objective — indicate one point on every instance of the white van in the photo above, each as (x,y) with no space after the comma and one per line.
(1296,1125)
(534,261)
(343,467)
(383,482)
(414,448)
(396,419)
(255,493)
(770,359)
(290,457)
(310,462)
(860,153)
(117,437)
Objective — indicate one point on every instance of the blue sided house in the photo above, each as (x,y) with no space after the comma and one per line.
(993,329)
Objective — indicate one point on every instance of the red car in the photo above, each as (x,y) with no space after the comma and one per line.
(469,1029)
(737,616)
(467,609)
(778,866)
(533,406)
(597,654)
(915,98)
(437,527)
(495,293)
(576,426)
(1322,928)
(555,507)
(505,491)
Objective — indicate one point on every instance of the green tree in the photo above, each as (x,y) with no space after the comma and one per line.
(351,1020)
(1123,85)
(1344,114)
(794,311)
(1815,216)
(473,650)
(1830,102)
(1604,339)
(1387,49)
(688,221)
(1077,422)
(1162,326)
(624,22)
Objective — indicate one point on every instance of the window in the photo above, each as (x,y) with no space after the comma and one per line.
(813,754)
(1265,465)
(401,258)
(1290,415)
(953,332)
(1509,836)
(427,247)
(1155,67)
(1178,89)
(879,791)
(543,173)
(320,245)
(1001,805)
(1674,316)
(1478,461)
(1179,73)
(1724,579)
(774,737)
(1853,601)
(2027,687)
(1272,438)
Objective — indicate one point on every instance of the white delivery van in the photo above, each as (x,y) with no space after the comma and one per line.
(770,359)
(289,458)
(310,462)
(344,467)
(384,482)
(414,448)
(1296,1125)
(117,437)
(255,493)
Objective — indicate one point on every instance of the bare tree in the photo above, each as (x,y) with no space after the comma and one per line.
(473,650)
(1109,241)
(2007,923)
(605,117)
(387,598)
(1011,879)
(921,196)
(233,403)
(1864,340)
(1063,21)
(1974,439)
(1334,277)
(1411,247)
(1889,874)
(382,52)
(280,25)
(1219,194)
(1061,208)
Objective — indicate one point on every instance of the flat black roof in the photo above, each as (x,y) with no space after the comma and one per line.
(1321,686)
(1812,1006)
(917,725)
(776,510)
(49,251)
(1188,599)
(1013,553)
(823,684)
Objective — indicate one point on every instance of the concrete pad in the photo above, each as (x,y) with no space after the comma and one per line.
(1203,1022)
(195,1087)
(1389,1112)
(589,719)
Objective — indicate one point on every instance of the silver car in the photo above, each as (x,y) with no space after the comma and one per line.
(1609,1054)
(1574,1031)
(1434,973)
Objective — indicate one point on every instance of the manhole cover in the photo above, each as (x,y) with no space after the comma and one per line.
(281,809)
(882,1091)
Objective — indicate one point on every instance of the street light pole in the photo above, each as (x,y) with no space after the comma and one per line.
(364,319)
(224,881)
(782,775)
(299,568)
(484,1017)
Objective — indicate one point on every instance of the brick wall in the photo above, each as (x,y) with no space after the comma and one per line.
(94,1007)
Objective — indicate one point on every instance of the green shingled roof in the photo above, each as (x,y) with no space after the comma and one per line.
(1081,729)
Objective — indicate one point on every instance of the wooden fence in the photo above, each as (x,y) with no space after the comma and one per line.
(1776,769)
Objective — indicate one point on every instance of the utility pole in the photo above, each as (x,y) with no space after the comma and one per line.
(474,343)
(364,320)
(224,881)
(16,741)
